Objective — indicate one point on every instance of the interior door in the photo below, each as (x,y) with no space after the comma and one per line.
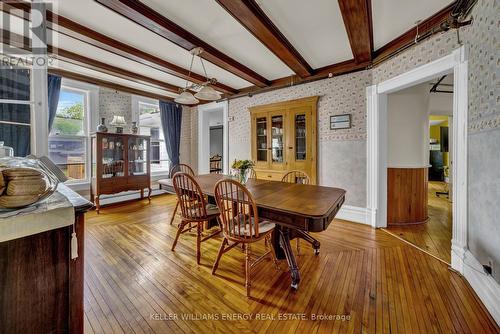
(299,145)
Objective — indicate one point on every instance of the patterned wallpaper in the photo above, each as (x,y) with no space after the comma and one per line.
(482,39)
(338,95)
(113,103)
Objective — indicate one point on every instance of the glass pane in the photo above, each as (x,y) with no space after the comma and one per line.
(69,155)
(261,129)
(277,138)
(137,156)
(300,137)
(19,113)
(15,84)
(69,115)
(113,158)
(18,137)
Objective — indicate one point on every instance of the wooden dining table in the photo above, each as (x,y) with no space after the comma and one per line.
(294,207)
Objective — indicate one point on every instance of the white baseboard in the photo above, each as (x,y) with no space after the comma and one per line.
(483,284)
(353,213)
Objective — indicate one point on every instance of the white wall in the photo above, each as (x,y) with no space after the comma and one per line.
(408,127)
(441,104)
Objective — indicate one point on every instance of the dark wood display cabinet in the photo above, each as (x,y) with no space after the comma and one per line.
(120,162)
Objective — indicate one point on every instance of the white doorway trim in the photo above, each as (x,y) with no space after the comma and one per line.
(204,136)
(455,63)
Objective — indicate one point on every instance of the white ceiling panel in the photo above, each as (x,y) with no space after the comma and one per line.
(107,22)
(207,20)
(392,18)
(315,28)
(89,51)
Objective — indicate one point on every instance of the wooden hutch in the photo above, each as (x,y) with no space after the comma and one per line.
(284,138)
(120,162)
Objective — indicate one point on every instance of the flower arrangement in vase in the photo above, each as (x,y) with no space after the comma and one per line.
(240,168)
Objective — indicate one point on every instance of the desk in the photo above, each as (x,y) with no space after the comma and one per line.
(293,206)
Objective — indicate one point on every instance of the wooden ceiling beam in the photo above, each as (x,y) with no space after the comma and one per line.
(23,43)
(82,33)
(160,25)
(348,66)
(407,39)
(107,84)
(358,23)
(253,18)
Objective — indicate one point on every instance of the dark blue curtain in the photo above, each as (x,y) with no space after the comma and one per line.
(15,85)
(54,88)
(171,119)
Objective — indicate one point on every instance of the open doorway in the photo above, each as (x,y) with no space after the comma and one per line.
(419,209)
(377,172)
(212,138)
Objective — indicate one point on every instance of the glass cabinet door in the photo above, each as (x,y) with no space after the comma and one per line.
(277,131)
(113,157)
(137,156)
(300,137)
(261,135)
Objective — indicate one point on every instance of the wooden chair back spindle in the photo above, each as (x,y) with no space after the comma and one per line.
(296,176)
(190,197)
(239,215)
(183,168)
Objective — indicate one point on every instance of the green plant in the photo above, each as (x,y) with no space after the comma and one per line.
(242,164)
(74,111)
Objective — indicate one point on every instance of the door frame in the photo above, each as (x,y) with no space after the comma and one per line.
(204,136)
(456,63)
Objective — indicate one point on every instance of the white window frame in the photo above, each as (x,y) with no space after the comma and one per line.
(32,112)
(86,116)
(137,101)
(91,116)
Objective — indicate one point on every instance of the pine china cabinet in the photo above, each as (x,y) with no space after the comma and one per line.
(120,162)
(284,138)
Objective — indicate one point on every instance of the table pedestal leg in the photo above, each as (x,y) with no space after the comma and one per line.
(307,237)
(284,241)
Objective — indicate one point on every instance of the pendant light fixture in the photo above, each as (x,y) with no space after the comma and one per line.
(205,90)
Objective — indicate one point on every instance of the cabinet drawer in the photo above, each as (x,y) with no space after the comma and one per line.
(269,175)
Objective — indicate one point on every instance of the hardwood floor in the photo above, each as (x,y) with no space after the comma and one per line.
(382,285)
(435,235)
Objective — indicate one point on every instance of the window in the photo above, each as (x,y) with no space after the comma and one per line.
(150,125)
(69,132)
(15,110)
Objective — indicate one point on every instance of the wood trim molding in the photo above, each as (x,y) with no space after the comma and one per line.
(253,18)
(348,66)
(160,25)
(358,23)
(407,39)
(82,33)
(107,84)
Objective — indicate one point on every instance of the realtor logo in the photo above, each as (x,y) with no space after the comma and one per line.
(24,37)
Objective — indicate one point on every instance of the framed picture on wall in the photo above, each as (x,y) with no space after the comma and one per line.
(338,122)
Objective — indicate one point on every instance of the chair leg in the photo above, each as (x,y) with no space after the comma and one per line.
(219,255)
(175,211)
(179,231)
(298,246)
(247,269)
(198,241)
